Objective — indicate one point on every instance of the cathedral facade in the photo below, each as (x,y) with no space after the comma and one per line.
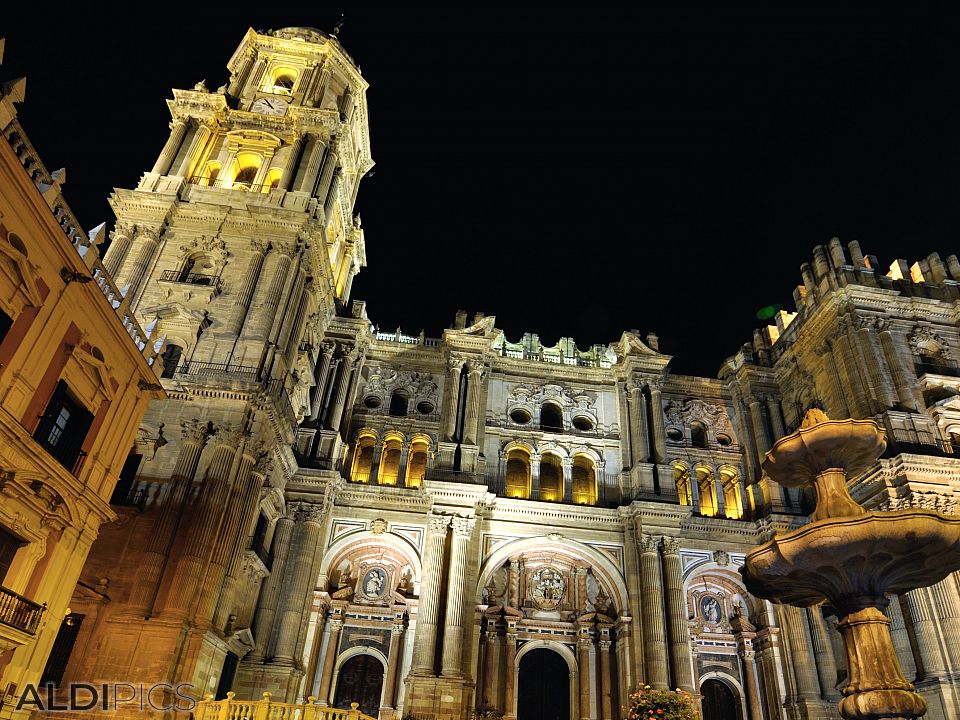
(468,526)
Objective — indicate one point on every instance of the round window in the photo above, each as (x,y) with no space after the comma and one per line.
(424,407)
(520,416)
(372,401)
(583,423)
(674,434)
(723,440)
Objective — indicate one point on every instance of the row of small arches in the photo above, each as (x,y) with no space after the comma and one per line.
(709,491)
(390,470)
(518,482)
(551,418)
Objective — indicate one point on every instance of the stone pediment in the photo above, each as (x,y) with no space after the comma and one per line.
(630,345)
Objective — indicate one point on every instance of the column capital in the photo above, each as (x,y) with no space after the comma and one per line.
(655,384)
(336,624)
(670,545)
(437,523)
(229,435)
(304,512)
(463,527)
(635,383)
(648,543)
(605,645)
(476,367)
(397,629)
(455,364)
(327,347)
(196,431)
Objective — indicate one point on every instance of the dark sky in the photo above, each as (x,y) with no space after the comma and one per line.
(578,173)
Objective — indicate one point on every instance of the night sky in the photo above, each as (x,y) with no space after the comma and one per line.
(575,173)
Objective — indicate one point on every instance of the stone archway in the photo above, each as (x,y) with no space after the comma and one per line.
(360,680)
(719,701)
(542,677)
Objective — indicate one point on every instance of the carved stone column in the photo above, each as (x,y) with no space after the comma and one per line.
(133,278)
(195,434)
(178,130)
(750,676)
(326,678)
(584,645)
(120,240)
(260,321)
(776,417)
(902,381)
(947,605)
(320,374)
(290,169)
(639,433)
(244,295)
(509,694)
(208,511)
(823,651)
(428,613)
(270,592)
(656,412)
(606,681)
(231,543)
(654,634)
(925,630)
(491,675)
(300,580)
(677,616)
(567,464)
(801,657)
(393,666)
(453,627)
(476,373)
(759,428)
(339,397)
(313,157)
(453,398)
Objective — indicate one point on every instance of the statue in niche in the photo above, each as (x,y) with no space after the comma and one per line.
(374,583)
(710,609)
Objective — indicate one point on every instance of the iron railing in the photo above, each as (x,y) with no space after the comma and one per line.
(189,278)
(196,368)
(206,181)
(18,612)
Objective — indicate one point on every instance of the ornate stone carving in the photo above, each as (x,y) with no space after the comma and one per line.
(378,526)
(307,512)
(438,523)
(648,543)
(924,342)
(228,435)
(721,558)
(196,431)
(922,501)
(670,545)
(548,587)
(463,526)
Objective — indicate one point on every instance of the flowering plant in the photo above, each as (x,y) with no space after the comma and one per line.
(649,704)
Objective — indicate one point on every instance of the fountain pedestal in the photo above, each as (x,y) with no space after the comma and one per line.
(851,558)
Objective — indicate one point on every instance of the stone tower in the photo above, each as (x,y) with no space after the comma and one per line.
(239,245)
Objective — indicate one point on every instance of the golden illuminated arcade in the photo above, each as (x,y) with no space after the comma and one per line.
(433,527)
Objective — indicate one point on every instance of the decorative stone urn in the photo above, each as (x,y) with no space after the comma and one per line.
(852,558)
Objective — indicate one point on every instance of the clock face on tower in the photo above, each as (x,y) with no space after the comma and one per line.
(269,106)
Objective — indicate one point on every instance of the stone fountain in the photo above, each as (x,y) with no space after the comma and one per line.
(851,558)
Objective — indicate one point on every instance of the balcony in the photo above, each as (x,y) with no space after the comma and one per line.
(194,369)
(213,282)
(206,181)
(19,619)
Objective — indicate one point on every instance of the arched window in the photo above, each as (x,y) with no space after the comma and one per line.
(390,460)
(732,500)
(518,474)
(584,480)
(209,175)
(246,168)
(283,81)
(273,179)
(417,463)
(244,179)
(362,459)
(171,359)
(551,477)
(551,418)
(681,477)
(698,435)
(707,490)
(399,402)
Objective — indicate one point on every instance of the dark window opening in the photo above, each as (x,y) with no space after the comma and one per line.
(551,418)
(123,493)
(226,675)
(62,649)
(63,427)
(245,176)
(520,416)
(259,544)
(187,269)
(171,359)
(698,436)
(398,404)
(9,544)
(6,322)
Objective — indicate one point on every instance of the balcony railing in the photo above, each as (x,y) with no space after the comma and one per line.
(232,184)
(18,612)
(195,368)
(189,278)
(267,709)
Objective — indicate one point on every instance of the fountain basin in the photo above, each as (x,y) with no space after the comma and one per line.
(852,562)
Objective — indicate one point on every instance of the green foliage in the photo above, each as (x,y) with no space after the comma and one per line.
(649,704)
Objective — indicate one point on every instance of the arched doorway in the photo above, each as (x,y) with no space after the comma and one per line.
(719,702)
(360,681)
(542,693)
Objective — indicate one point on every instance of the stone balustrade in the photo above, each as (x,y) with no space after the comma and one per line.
(265,709)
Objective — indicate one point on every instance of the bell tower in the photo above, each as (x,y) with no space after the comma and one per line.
(237,248)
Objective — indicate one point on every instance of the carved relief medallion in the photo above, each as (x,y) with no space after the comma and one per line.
(549,587)
(374,583)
